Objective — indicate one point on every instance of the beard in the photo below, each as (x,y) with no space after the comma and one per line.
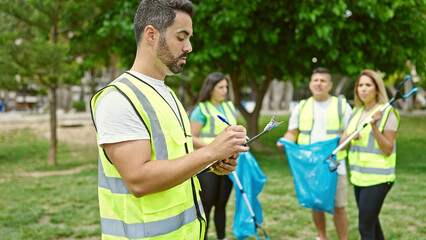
(166,57)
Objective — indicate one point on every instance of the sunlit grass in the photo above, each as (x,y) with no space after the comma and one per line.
(65,206)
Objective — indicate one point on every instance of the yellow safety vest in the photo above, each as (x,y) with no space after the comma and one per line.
(176,213)
(213,124)
(335,113)
(368,165)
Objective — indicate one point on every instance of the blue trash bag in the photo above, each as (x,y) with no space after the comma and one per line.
(314,182)
(252,180)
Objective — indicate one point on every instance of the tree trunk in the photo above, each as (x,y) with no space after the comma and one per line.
(277,88)
(82,93)
(408,102)
(252,118)
(113,60)
(53,87)
(253,128)
(288,95)
(340,86)
(53,122)
(92,80)
(266,105)
(5,100)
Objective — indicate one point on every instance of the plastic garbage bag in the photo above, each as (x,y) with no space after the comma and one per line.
(252,180)
(314,182)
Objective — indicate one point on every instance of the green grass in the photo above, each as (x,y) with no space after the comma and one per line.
(54,207)
(65,206)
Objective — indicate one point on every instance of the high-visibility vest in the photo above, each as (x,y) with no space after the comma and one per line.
(213,124)
(334,126)
(176,213)
(368,165)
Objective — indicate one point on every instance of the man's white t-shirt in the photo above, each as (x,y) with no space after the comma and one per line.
(319,132)
(117,121)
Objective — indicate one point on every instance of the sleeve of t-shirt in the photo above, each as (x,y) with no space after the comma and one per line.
(293,122)
(392,122)
(117,121)
(347,115)
(197,115)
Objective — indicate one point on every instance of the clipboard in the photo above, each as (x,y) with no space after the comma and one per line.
(273,123)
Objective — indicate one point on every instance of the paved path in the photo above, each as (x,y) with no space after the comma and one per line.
(35,117)
(85,118)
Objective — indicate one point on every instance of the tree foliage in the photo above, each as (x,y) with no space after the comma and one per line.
(254,40)
(111,33)
(39,50)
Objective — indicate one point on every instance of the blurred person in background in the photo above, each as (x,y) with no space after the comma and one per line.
(372,153)
(319,118)
(205,126)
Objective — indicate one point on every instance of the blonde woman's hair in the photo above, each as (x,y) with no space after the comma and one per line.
(381,96)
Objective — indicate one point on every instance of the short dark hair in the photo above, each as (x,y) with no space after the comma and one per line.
(209,83)
(159,13)
(321,70)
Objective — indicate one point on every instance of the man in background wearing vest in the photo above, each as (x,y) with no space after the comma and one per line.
(319,118)
(147,167)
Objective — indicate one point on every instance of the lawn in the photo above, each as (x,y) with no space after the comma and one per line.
(38,202)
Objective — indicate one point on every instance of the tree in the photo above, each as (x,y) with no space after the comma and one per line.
(255,41)
(43,55)
(107,39)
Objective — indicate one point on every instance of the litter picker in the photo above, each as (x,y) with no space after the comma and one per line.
(333,163)
(273,123)
(257,224)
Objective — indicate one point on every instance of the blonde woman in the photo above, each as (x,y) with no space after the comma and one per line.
(372,153)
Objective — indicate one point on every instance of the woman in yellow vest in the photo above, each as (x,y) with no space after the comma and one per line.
(205,125)
(371,154)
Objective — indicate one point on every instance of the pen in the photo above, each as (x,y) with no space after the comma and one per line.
(224,120)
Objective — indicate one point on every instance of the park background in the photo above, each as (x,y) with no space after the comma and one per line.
(55,54)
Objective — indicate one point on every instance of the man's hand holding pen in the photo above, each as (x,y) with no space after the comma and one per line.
(227,123)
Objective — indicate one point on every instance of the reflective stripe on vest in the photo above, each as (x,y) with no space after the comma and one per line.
(335,112)
(213,124)
(146,230)
(370,170)
(368,165)
(159,139)
(115,227)
(162,215)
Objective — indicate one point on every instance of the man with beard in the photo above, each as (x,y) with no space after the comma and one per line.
(147,167)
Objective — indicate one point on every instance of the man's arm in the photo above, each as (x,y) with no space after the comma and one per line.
(292,134)
(142,176)
(293,126)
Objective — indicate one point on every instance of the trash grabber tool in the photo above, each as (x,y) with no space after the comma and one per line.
(273,123)
(257,225)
